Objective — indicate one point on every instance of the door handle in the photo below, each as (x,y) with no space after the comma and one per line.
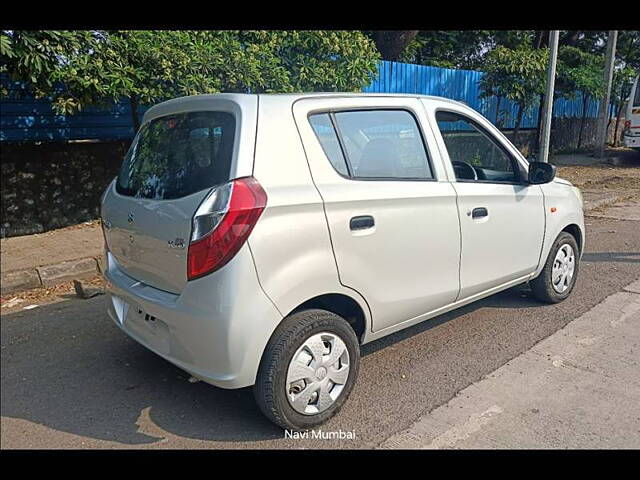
(361,222)
(479,212)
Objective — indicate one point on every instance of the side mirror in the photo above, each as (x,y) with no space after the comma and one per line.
(541,172)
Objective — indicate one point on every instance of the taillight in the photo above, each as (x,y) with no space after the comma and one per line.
(222,224)
(627,125)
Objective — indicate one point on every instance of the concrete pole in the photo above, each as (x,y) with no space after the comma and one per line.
(548,98)
(601,132)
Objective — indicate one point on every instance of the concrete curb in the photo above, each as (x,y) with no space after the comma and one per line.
(49,275)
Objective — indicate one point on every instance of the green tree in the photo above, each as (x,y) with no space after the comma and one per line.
(517,75)
(447,48)
(150,66)
(579,73)
(623,78)
(464,48)
(628,48)
(392,43)
(33,56)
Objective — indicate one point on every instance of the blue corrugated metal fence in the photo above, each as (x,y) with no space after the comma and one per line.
(26,119)
(29,120)
(464,86)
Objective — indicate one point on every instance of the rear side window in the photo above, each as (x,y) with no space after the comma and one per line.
(378,144)
(329,140)
(177,155)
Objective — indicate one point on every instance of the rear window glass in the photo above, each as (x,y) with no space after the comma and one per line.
(177,155)
(636,101)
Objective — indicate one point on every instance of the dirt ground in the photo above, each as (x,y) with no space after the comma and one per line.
(619,171)
(602,177)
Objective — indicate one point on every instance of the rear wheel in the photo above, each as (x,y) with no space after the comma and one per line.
(558,277)
(308,369)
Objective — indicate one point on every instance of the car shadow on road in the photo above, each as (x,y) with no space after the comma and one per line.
(515,297)
(68,367)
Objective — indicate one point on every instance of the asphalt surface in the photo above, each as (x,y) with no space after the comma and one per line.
(72,379)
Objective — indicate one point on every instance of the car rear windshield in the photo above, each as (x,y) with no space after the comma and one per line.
(177,155)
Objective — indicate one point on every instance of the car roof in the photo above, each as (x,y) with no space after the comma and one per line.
(297,96)
(170,106)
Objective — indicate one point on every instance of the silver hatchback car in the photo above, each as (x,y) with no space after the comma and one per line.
(261,239)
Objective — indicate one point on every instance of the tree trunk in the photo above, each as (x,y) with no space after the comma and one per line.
(585,100)
(538,40)
(391,43)
(498,121)
(606,136)
(135,120)
(516,129)
(615,132)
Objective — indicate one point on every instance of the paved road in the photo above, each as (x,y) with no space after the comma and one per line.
(578,388)
(71,379)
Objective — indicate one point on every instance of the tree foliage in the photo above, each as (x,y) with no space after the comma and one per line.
(80,68)
(517,75)
(392,43)
(447,48)
(579,72)
(34,56)
(149,66)
(465,49)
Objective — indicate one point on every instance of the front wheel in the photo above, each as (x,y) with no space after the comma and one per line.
(308,369)
(558,277)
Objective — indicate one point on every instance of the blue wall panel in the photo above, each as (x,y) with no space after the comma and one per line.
(464,86)
(27,119)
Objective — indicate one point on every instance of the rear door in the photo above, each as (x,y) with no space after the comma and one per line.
(391,213)
(501,216)
(171,166)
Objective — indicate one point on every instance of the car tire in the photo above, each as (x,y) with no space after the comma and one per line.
(546,287)
(305,344)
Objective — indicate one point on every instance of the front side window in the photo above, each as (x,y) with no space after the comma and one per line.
(474,153)
(176,155)
(378,144)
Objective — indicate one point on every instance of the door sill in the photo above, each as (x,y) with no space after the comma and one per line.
(375,335)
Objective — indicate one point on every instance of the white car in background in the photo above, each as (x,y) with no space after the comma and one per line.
(631,133)
(262,239)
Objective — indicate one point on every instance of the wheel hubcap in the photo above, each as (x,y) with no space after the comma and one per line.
(563,268)
(317,373)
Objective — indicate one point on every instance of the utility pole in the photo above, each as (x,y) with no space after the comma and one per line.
(548,99)
(601,133)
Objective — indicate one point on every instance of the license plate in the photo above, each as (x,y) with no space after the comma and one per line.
(151,330)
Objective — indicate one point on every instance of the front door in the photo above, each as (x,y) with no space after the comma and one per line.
(501,217)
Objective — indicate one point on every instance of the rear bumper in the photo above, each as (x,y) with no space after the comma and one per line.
(632,142)
(216,329)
